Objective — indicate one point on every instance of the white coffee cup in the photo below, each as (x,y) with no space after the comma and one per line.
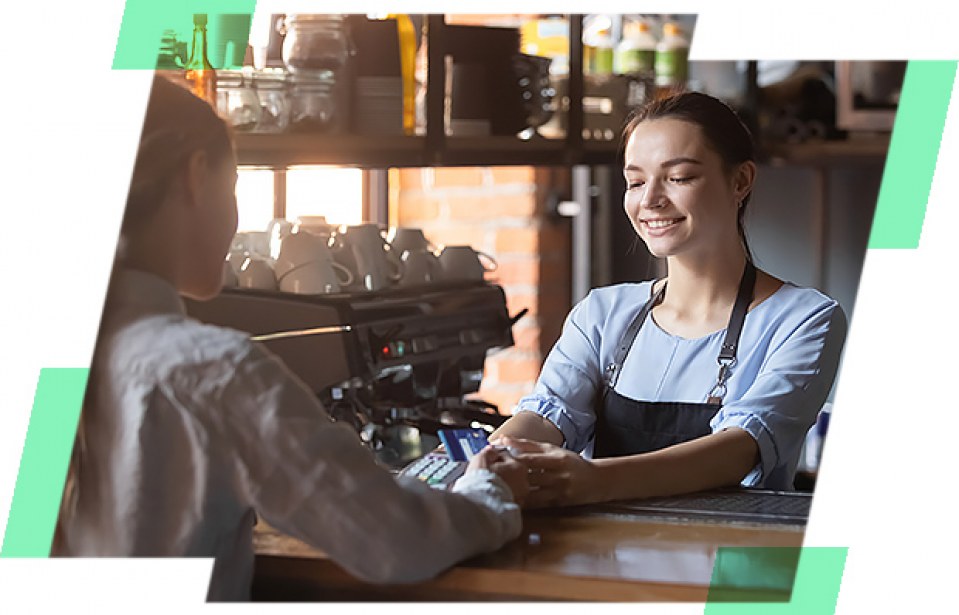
(316,225)
(363,249)
(277,230)
(315,278)
(256,243)
(256,273)
(420,267)
(300,248)
(464,263)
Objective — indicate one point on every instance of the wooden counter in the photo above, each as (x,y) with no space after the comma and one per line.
(595,554)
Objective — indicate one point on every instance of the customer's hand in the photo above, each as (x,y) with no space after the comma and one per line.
(513,472)
(557,477)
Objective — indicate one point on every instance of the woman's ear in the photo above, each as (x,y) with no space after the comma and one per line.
(743,179)
(195,176)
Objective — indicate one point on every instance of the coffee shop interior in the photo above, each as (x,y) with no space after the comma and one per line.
(479,158)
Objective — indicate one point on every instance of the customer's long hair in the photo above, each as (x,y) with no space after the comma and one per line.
(176,125)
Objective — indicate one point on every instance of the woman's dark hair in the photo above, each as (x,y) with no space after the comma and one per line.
(725,133)
(176,125)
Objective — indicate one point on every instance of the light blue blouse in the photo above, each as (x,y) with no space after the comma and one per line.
(787,360)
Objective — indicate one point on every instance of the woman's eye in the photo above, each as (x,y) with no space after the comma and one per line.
(680,180)
(630,185)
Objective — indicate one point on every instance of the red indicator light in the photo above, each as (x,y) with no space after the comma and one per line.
(385,351)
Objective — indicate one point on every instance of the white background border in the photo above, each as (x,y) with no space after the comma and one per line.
(70,130)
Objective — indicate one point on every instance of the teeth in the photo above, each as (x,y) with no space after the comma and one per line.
(660,223)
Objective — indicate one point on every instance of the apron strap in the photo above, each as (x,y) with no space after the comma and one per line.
(611,373)
(727,354)
(738,316)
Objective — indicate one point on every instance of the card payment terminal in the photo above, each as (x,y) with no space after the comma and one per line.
(441,469)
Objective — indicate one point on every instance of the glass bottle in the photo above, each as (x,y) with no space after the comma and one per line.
(199,72)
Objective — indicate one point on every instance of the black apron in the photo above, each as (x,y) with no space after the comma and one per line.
(627,426)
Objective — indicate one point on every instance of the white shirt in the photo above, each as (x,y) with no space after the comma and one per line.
(190,428)
(787,359)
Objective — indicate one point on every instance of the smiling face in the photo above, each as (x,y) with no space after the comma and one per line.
(680,197)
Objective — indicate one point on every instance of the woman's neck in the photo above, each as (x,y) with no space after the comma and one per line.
(700,286)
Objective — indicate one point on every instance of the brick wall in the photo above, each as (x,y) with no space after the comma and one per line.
(502,211)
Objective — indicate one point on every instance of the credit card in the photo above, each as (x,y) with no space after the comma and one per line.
(462,444)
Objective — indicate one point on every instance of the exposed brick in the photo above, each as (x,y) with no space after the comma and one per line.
(479,207)
(459,235)
(518,240)
(514,175)
(409,179)
(518,271)
(457,177)
(414,209)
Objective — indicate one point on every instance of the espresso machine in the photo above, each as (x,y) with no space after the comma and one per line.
(391,363)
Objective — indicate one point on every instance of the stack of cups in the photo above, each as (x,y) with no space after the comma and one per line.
(305,266)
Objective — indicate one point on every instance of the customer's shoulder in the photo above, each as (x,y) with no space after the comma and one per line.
(164,341)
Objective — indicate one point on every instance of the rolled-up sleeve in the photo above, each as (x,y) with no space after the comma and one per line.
(570,378)
(783,401)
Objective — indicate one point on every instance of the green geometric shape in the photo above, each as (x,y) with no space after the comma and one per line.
(913,150)
(776,581)
(144,21)
(43,465)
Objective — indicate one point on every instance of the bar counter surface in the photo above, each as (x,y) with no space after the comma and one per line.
(623,552)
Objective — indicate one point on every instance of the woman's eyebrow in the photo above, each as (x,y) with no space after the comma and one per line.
(672,162)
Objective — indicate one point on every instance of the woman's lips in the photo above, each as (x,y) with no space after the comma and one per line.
(660,226)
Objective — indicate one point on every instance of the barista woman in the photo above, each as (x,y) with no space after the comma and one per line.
(190,430)
(709,377)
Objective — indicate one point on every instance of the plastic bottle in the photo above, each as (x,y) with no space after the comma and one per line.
(199,71)
(672,58)
(636,53)
(599,53)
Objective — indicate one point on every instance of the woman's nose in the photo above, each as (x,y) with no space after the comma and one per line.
(652,195)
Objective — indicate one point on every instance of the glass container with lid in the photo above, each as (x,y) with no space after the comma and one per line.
(316,42)
(312,101)
(272,89)
(236,100)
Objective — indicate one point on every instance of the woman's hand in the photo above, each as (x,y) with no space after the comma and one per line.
(513,472)
(557,477)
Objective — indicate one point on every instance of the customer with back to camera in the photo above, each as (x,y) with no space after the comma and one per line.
(189,431)
(708,378)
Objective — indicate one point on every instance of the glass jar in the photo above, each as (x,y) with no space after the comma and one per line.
(272,89)
(312,104)
(316,42)
(236,100)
